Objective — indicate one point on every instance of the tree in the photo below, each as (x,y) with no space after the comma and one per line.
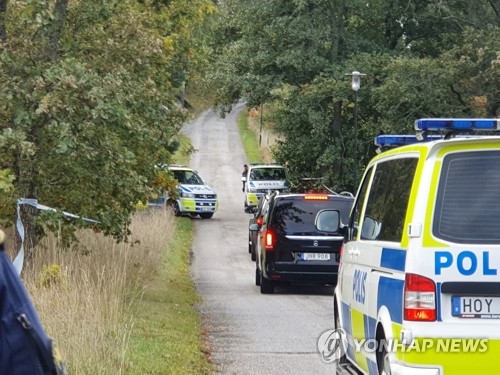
(423,58)
(89,103)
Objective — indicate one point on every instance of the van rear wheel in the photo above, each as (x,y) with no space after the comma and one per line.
(383,363)
(257,276)
(266,285)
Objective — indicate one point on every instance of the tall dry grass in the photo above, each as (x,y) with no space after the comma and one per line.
(85,295)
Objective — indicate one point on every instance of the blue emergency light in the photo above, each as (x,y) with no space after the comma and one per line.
(477,124)
(401,140)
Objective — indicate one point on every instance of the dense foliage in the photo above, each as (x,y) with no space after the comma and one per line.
(89,101)
(421,59)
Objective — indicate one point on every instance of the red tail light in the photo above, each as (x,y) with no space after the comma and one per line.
(419,298)
(260,220)
(269,240)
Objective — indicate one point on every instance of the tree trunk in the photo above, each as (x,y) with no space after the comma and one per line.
(59,17)
(3,12)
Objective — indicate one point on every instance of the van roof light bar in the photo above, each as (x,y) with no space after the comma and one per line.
(401,140)
(457,124)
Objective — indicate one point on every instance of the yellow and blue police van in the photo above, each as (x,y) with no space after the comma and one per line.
(192,195)
(263,178)
(419,280)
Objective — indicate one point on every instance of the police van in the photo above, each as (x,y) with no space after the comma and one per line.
(419,281)
(191,196)
(263,178)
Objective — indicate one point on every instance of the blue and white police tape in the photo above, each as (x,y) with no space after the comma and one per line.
(19,259)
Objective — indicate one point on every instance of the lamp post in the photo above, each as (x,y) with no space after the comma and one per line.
(355,85)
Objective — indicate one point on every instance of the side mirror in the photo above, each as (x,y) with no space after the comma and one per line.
(328,221)
(244,179)
(371,228)
(253,227)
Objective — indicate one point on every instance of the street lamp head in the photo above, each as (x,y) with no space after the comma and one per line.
(356,80)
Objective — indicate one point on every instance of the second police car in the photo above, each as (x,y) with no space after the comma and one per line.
(263,178)
(419,281)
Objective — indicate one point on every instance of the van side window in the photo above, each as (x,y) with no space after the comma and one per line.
(388,199)
(356,212)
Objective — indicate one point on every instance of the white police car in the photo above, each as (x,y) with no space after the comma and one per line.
(192,195)
(419,281)
(263,178)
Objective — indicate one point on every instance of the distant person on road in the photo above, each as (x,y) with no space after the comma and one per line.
(244,174)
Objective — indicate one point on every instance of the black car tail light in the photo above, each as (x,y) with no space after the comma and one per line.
(269,240)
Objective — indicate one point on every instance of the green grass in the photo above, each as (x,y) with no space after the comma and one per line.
(167,335)
(249,139)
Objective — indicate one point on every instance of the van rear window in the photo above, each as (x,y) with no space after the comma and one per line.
(468,200)
(297,216)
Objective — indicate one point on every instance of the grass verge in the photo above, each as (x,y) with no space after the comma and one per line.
(166,338)
(249,139)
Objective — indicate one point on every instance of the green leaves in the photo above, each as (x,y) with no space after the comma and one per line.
(421,59)
(83,133)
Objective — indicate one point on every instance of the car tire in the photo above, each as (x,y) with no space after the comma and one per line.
(266,285)
(253,256)
(249,245)
(257,276)
(383,363)
(175,208)
(207,215)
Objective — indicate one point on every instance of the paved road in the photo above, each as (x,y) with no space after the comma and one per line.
(249,333)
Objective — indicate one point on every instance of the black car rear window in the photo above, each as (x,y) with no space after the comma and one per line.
(295,215)
(468,204)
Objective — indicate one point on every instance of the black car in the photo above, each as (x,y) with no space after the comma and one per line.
(257,218)
(300,239)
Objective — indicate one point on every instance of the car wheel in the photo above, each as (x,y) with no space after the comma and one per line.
(206,215)
(249,244)
(252,253)
(383,363)
(266,285)
(175,208)
(257,276)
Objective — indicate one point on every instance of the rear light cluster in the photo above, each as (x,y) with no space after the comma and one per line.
(269,239)
(419,298)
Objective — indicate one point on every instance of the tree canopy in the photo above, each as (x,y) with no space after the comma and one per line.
(89,101)
(421,59)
